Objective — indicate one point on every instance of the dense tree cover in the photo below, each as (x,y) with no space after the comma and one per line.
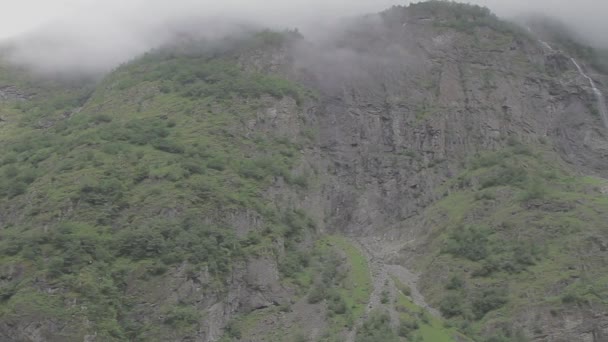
(137,178)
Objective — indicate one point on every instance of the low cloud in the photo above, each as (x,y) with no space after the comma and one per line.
(97,35)
(587,17)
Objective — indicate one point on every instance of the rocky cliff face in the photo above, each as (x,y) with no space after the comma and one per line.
(417,135)
(405,100)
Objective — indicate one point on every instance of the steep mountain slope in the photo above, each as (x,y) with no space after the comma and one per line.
(429,173)
(415,119)
(151,193)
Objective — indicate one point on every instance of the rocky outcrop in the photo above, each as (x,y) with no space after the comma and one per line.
(403,103)
(12,93)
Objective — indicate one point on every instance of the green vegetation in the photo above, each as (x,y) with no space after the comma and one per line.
(195,77)
(424,111)
(465,17)
(139,182)
(416,324)
(510,225)
(357,286)
(335,276)
(344,283)
(377,328)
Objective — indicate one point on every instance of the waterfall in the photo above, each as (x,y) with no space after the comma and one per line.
(603,110)
(601,100)
(542,42)
(545,44)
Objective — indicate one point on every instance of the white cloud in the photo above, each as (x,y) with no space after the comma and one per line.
(98,34)
(19,16)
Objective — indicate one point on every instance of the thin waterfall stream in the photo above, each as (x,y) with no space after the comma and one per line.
(601,100)
(603,110)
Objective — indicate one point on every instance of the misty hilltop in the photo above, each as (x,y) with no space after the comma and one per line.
(94,36)
(430,173)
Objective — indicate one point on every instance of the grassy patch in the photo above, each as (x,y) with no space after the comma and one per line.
(515,242)
(419,325)
(342,282)
(336,276)
(360,284)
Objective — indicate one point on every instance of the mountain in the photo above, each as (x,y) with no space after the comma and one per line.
(429,173)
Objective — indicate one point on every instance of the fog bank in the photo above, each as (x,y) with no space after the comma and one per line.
(94,36)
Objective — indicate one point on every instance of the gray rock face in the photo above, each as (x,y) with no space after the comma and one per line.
(403,104)
(12,93)
(253,285)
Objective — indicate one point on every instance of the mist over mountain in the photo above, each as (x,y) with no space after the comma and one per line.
(585,17)
(96,36)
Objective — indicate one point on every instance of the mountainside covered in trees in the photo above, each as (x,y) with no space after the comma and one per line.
(430,173)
